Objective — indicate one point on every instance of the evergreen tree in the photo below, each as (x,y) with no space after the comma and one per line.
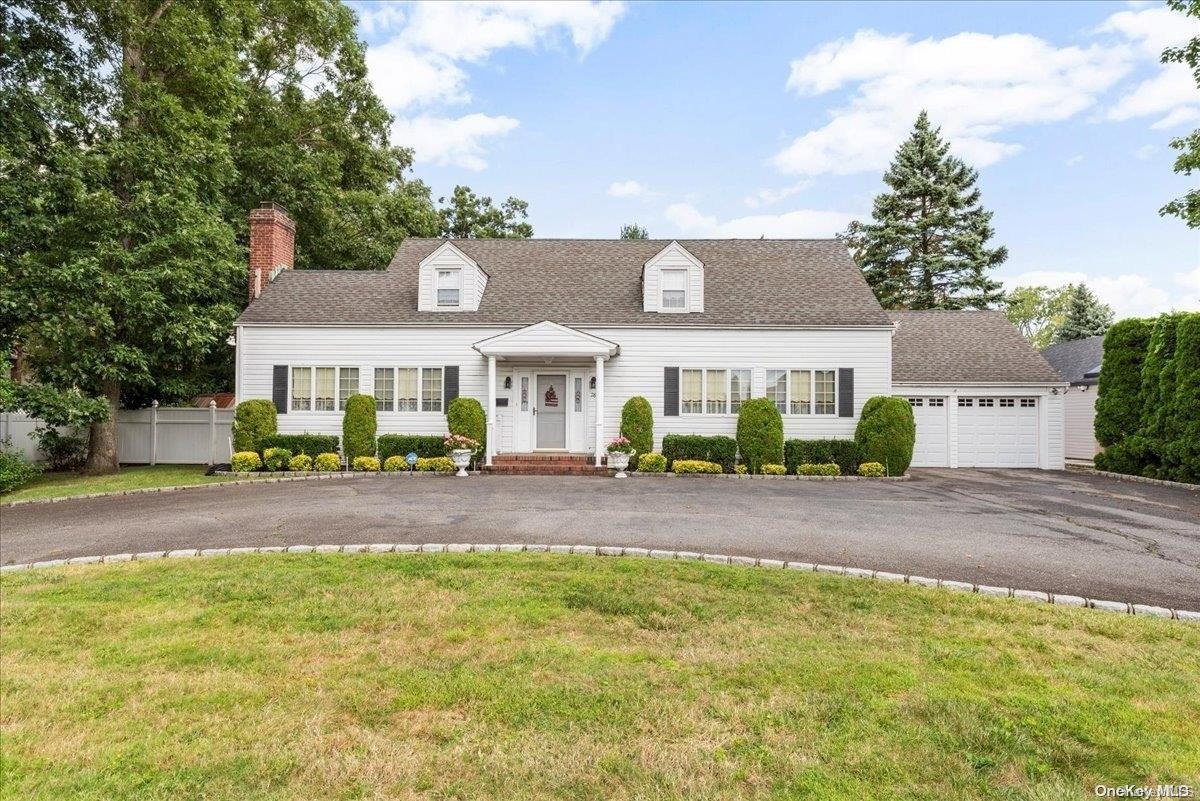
(1085,316)
(634,231)
(927,244)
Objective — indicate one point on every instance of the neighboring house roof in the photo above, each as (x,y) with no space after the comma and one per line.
(748,282)
(1078,361)
(940,347)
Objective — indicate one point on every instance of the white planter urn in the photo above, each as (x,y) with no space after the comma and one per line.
(619,461)
(461,458)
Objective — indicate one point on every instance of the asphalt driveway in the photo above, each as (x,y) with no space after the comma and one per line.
(1060,532)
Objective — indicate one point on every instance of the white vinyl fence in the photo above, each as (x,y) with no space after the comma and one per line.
(158,435)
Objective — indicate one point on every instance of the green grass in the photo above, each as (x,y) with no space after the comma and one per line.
(536,676)
(64,485)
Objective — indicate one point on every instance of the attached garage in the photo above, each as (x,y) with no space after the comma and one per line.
(1004,409)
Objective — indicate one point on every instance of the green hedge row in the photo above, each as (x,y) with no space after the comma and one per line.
(307,444)
(694,447)
(842,452)
(1148,407)
(424,446)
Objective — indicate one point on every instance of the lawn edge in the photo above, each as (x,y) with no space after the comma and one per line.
(1035,596)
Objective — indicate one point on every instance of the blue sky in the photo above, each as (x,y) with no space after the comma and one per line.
(717,120)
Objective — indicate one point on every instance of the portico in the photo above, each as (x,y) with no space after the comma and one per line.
(557,387)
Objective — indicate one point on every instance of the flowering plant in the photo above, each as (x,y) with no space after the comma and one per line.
(620,445)
(457,442)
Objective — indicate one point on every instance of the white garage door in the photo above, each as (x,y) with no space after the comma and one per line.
(997,432)
(933,432)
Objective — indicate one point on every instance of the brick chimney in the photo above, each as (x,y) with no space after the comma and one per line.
(272,245)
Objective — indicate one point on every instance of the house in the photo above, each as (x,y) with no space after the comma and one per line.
(1078,362)
(554,335)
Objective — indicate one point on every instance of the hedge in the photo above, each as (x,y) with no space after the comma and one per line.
(465,416)
(365,464)
(825,469)
(886,433)
(842,452)
(1117,412)
(307,444)
(435,464)
(301,461)
(759,434)
(688,466)
(1182,456)
(358,427)
(652,463)
(253,420)
(245,461)
(722,450)
(424,446)
(774,470)
(637,426)
(327,463)
(395,464)
(276,459)
(871,470)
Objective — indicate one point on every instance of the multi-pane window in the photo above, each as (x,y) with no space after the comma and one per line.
(326,385)
(937,401)
(674,288)
(801,392)
(965,402)
(579,394)
(385,389)
(916,402)
(431,389)
(987,402)
(824,396)
(739,389)
(406,389)
(347,385)
(715,391)
(301,389)
(1028,403)
(777,389)
(1007,403)
(449,287)
(524,393)
(691,391)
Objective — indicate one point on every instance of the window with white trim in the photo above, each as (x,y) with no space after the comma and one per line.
(965,402)
(739,389)
(937,401)
(449,288)
(347,385)
(673,288)
(799,392)
(691,391)
(301,389)
(1028,403)
(709,391)
(1007,403)
(322,389)
(385,389)
(326,386)
(407,389)
(916,401)
(987,402)
(777,389)
(716,390)
(431,389)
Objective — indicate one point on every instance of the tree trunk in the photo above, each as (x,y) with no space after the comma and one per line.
(102,440)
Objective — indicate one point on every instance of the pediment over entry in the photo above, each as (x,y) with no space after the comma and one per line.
(547,340)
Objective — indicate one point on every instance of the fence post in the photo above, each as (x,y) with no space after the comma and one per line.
(154,432)
(212,433)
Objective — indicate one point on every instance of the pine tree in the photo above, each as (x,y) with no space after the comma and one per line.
(1085,315)
(634,231)
(926,246)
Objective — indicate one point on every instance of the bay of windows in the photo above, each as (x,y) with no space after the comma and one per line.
(400,389)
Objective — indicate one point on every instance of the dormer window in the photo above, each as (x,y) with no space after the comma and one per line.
(674,289)
(449,289)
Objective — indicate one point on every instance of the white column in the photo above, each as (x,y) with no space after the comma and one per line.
(212,433)
(599,410)
(491,411)
(154,432)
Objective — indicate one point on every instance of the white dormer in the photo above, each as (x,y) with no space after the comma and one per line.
(673,282)
(450,281)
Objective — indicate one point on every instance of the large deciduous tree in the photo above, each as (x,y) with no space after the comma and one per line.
(466,215)
(926,246)
(1036,311)
(634,231)
(1083,315)
(1187,206)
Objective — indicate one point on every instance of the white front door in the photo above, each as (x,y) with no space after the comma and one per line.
(551,401)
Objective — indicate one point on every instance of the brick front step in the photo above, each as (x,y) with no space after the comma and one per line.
(540,458)
(545,469)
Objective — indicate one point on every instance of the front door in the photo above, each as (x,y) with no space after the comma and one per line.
(551,411)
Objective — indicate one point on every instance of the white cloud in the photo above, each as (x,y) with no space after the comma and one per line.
(1152,29)
(378,18)
(1144,152)
(628,189)
(770,196)
(448,140)
(1172,91)
(975,86)
(404,78)
(1129,294)
(799,224)
(1076,159)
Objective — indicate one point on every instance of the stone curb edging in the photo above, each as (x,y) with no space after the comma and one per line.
(905,477)
(297,475)
(1037,596)
(1135,479)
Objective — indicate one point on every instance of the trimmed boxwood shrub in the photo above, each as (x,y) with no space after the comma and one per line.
(1118,414)
(842,452)
(774,470)
(253,420)
(886,433)
(435,464)
(358,427)
(871,470)
(637,426)
(466,417)
(395,464)
(404,444)
(759,434)
(276,459)
(307,444)
(687,466)
(301,461)
(722,450)
(828,469)
(652,463)
(365,464)
(245,462)
(327,463)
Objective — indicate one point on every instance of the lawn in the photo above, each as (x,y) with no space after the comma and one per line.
(518,676)
(64,485)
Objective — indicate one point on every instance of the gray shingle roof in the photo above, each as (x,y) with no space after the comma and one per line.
(1079,361)
(590,281)
(969,346)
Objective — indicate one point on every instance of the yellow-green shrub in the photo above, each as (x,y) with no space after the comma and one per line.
(741,470)
(652,463)
(435,464)
(830,469)
(685,466)
(365,464)
(245,461)
(300,461)
(327,463)
(774,470)
(871,470)
(275,459)
(395,464)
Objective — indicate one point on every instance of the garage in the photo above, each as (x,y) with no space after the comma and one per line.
(997,432)
(933,432)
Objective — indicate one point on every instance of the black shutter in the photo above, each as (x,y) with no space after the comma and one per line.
(279,388)
(845,392)
(671,391)
(449,385)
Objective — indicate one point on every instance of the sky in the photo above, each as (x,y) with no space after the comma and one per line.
(746,120)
